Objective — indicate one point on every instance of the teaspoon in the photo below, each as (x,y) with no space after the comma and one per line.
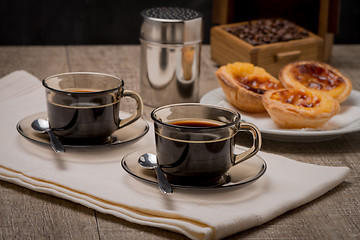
(149,160)
(41,126)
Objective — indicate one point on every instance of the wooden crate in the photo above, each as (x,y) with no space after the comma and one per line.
(228,48)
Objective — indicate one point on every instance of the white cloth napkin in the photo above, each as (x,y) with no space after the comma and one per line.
(94,178)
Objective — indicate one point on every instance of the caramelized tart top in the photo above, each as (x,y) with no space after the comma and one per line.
(317,76)
(252,78)
(298,97)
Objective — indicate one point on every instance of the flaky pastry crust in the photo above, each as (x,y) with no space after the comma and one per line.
(244,84)
(299,108)
(316,76)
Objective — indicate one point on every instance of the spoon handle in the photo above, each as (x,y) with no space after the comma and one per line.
(55,142)
(164,184)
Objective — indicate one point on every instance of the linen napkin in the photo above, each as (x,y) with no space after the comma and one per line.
(94,178)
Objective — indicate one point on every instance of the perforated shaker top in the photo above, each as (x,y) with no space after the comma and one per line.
(171,13)
(172,25)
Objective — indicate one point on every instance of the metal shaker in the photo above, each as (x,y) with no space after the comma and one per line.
(171,41)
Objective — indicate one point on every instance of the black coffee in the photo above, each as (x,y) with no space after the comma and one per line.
(195,123)
(82,90)
(83,119)
(200,159)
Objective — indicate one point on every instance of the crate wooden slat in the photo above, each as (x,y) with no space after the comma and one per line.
(228,48)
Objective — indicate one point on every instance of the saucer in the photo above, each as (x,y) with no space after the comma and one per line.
(242,174)
(126,134)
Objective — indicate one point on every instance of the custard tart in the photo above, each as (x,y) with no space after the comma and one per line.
(316,76)
(244,84)
(300,108)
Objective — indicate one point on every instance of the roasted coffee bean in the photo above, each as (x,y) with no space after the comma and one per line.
(266,31)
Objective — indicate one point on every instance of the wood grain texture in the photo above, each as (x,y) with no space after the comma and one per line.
(227,48)
(25,214)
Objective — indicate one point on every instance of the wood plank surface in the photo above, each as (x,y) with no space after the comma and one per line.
(25,214)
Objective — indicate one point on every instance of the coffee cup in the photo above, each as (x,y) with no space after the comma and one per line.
(195,142)
(83,107)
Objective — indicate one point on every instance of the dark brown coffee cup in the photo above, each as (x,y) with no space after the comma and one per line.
(195,142)
(83,107)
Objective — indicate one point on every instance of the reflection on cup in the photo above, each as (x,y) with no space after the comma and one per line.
(83,107)
(195,142)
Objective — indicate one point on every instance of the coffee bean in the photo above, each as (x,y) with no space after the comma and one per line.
(266,31)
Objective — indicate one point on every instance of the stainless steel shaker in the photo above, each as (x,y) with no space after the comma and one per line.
(171,41)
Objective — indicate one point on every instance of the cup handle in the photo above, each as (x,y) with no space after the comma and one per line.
(256,135)
(135,116)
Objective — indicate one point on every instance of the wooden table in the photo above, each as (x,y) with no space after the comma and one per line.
(25,214)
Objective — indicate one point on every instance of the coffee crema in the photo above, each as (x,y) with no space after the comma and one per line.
(81,90)
(195,123)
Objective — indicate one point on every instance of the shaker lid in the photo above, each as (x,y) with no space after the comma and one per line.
(171,25)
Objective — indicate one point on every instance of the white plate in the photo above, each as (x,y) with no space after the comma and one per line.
(347,121)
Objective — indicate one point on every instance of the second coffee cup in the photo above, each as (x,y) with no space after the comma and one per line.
(83,107)
(195,142)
